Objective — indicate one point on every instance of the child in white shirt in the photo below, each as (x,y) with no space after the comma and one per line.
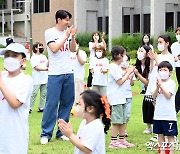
(90,136)
(165,120)
(15,91)
(99,67)
(117,99)
(39,64)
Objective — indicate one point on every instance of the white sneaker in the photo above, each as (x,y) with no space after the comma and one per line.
(44,140)
(147,131)
(64,138)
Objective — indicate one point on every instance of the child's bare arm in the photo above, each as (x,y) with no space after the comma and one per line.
(8,95)
(66,129)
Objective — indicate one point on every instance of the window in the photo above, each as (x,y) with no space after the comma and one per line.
(136,23)
(178,19)
(3,5)
(18,4)
(169,20)
(146,23)
(107,25)
(126,24)
(100,24)
(41,6)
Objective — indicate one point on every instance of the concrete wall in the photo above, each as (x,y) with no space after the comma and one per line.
(43,21)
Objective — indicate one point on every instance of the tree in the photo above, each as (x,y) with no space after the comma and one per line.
(1,1)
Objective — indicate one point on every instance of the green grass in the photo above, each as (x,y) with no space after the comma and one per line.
(135,128)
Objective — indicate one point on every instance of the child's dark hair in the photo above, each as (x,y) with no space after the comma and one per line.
(116,51)
(165,64)
(92,39)
(35,45)
(62,14)
(177,29)
(145,73)
(92,98)
(102,49)
(128,57)
(167,39)
(143,40)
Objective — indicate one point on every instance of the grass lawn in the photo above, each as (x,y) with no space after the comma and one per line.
(134,129)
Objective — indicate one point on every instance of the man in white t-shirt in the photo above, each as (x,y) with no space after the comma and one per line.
(60,41)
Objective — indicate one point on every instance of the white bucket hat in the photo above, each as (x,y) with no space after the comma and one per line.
(16,47)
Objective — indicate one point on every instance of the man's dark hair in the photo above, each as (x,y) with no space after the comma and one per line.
(62,14)
(165,64)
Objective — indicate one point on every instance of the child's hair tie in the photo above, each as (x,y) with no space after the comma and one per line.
(106,106)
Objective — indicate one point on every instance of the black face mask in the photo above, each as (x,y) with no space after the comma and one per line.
(41,50)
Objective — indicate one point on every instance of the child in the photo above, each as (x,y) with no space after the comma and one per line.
(78,60)
(142,72)
(15,91)
(145,42)
(39,64)
(90,137)
(165,114)
(96,40)
(127,87)
(117,99)
(99,68)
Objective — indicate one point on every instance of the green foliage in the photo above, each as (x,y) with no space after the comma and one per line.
(83,39)
(129,42)
(2,46)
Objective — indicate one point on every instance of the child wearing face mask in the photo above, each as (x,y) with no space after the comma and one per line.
(164,42)
(15,91)
(90,137)
(127,87)
(142,72)
(117,99)
(99,68)
(145,41)
(175,48)
(96,40)
(165,120)
(39,65)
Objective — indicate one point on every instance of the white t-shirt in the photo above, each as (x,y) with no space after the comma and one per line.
(92,136)
(60,62)
(92,52)
(14,132)
(99,78)
(115,92)
(127,85)
(78,69)
(153,75)
(165,108)
(39,77)
(175,48)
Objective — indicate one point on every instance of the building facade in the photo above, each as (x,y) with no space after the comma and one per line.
(114,17)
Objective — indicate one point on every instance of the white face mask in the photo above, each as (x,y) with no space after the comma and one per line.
(99,54)
(146,40)
(125,58)
(178,37)
(160,47)
(124,64)
(11,64)
(97,37)
(79,111)
(163,75)
(140,55)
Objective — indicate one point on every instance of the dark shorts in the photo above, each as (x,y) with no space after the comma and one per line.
(167,128)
